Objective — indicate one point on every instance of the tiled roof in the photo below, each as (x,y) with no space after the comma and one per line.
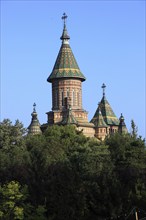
(107,112)
(65,65)
(69,118)
(106,117)
(98,120)
(34,127)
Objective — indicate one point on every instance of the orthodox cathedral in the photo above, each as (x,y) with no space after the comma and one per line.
(66,79)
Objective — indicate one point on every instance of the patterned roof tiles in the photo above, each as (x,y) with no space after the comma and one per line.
(98,120)
(104,115)
(69,118)
(65,65)
(107,113)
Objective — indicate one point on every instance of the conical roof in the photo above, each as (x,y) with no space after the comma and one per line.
(98,120)
(69,118)
(66,65)
(106,111)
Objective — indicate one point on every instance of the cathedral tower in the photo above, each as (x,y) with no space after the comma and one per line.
(66,79)
(105,120)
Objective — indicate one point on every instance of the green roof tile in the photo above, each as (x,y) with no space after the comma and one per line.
(98,120)
(106,112)
(65,65)
(69,118)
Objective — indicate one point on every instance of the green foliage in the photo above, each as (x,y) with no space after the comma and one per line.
(11,135)
(69,176)
(34,213)
(13,152)
(12,198)
(134,129)
(129,157)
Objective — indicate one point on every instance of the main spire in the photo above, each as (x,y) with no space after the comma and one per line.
(65,37)
(66,65)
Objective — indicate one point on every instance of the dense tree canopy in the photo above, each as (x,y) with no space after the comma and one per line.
(62,174)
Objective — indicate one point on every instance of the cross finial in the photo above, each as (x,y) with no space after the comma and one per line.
(64,17)
(34,105)
(103,87)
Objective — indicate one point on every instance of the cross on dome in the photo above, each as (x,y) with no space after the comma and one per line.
(34,106)
(64,17)
(103,87)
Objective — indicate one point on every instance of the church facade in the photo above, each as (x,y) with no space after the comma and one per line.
(66,80)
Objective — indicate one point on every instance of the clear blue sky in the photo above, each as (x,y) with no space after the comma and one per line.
(107,39)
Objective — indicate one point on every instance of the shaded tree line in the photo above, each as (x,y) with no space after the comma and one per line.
(62,174)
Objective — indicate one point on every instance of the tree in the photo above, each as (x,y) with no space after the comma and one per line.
(10,134)
(134,129)
(70,176)
(13,152)
(12,201)
(128,154)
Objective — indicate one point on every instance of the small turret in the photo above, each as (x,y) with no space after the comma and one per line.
(100,125)
(122,125)
(34,127)
(69,118)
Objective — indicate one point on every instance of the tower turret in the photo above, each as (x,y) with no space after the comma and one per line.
(100,125)
(105,112)
(122,125)
(66,79)
(34,127)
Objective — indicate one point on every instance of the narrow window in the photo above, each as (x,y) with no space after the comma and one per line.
(67,94)
(78,98)
(73,97)
(56,101)
(62,97)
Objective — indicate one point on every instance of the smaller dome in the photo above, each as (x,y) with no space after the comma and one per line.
(34,127)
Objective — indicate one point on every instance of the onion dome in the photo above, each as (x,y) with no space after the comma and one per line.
(66,65)
(34,127)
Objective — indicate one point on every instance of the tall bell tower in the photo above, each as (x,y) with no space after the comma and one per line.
(66,79)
